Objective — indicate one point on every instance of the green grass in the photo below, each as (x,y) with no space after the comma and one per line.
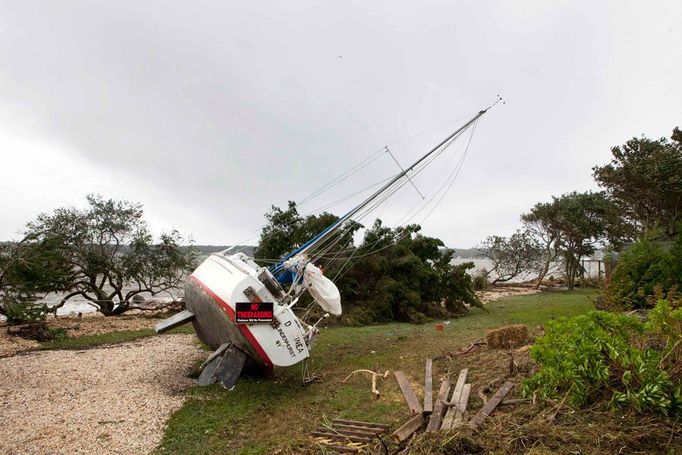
(259,414)
(122,336)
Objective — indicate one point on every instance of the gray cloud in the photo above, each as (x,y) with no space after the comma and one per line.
(208,112)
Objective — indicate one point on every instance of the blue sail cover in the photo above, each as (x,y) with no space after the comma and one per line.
(285,276)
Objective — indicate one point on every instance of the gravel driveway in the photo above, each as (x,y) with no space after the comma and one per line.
(108,400)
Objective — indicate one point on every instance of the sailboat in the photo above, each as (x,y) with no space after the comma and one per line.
(245,311)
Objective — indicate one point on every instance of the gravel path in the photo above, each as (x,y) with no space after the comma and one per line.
(109,400)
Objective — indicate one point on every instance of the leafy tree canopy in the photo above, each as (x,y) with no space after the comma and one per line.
(29,269)
(393,274)
(645,179)
(511,256)
(112,253)
(574,224)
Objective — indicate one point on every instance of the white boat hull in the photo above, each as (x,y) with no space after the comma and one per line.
(212,293)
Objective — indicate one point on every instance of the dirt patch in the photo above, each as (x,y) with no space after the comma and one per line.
(96,324)
(112,399)
(90,324)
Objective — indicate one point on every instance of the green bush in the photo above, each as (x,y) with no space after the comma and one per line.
(18,312)
(639,270)
(480,280)
(601,355)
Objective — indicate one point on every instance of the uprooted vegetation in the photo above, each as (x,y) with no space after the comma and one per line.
(288,410)
(618,358)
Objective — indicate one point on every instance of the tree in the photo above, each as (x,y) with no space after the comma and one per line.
(287,230)
(581,222)
(112,254)
(29,269)
(644,179)
(540,223)
(511,256)
(394,274)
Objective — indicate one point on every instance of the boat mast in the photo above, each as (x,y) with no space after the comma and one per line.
(322,236)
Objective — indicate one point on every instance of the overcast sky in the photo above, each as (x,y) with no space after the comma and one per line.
(207,112)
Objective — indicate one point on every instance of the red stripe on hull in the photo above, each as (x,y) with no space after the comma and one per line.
(242,327)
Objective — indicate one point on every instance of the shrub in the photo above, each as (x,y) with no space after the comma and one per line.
(480,280)
(638,271)
(18,312)
(602,355)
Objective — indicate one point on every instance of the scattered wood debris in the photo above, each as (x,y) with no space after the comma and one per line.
(347,436)
(449,410)
(408,393)
(409,428)
(439,408)
(490,406)
(507,337)
(428,387)
(454,404)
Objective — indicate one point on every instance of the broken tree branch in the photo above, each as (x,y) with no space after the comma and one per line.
(374,374)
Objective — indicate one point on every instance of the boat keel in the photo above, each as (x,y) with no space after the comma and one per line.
(223,367)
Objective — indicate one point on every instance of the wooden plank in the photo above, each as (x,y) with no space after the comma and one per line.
(347,431)
(490,406)
(452,410)
(428,388)
(408,428)
(408,393)
(340,449)
(439,407)
(366,430)
(340,437)
(462,406)
(361,424)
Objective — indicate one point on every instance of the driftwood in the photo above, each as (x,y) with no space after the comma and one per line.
(408,393)
(490,406)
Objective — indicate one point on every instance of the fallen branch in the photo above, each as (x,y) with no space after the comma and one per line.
(482,396)
(374,374)
(468,349)
(552,415)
